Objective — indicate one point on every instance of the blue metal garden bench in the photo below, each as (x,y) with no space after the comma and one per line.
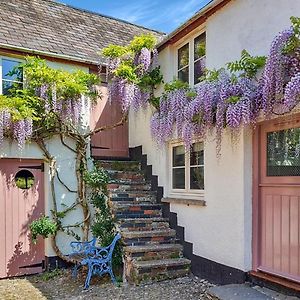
(97,259)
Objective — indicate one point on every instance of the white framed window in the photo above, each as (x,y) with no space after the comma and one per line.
(191,59)
(7,64)
(187,169)
(183,64)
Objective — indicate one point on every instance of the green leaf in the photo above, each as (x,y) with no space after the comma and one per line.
(142,41)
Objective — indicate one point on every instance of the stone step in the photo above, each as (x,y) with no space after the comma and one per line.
(133,194)
(136,186)
(127,181)
(126,176)
(139,238)
(134,207)
(131,201)
(145,198)
(157,270)
(148,220)
(142,210)
(151,252)
(143,224)
(137,214)
(119,165)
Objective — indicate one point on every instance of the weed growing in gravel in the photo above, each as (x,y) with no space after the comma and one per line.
(51,274)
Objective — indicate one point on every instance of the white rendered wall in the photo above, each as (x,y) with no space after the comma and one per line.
(222,230)
(139,129)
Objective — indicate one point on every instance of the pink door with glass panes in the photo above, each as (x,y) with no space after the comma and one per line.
(21,202)
(278,245)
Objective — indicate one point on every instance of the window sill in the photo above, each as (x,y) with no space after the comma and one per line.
(188,202)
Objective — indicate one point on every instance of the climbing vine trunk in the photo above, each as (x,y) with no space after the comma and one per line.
(81,168)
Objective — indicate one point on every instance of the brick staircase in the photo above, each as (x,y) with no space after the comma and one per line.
(151,250)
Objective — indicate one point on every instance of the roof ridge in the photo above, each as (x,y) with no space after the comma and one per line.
(103,15)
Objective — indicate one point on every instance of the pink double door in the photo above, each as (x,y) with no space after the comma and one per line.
(21,202)
(278,198)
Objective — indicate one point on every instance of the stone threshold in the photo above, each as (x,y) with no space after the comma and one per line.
(187,202)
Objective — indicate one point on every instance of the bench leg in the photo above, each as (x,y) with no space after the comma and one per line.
(88,276)
(112,276)
(75,270)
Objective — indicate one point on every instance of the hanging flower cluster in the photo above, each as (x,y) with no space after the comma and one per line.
(20,129)
(216,104)
(69,109)
(133,72)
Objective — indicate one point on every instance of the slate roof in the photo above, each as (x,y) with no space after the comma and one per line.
(48,26)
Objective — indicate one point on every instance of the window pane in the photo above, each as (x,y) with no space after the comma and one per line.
(183,74)
(183,56)
(7,85)
(199,46)
(179,178)
(197,178)
(199,68)
(197,154)
(7,66)
(178,156)
(283,152)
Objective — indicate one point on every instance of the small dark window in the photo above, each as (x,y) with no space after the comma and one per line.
(178,167)
(10,81)
(199,57)
(24,179)
(183,63)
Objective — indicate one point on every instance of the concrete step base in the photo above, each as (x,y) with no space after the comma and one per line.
(153,252)
(157,270)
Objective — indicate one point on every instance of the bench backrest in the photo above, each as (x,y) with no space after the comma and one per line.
(105,253)
(83,247)
(113,244)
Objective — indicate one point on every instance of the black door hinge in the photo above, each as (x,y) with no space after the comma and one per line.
(37,265)
(40,167)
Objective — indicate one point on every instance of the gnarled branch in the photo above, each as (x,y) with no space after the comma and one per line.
(107,127)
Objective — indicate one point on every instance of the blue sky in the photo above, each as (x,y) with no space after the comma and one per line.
(162,15)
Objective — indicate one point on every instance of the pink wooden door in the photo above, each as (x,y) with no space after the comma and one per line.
(21,202)
(108,143)
(279,199)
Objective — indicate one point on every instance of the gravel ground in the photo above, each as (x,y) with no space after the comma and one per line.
(63,287)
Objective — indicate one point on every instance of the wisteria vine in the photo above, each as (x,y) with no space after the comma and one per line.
(133,72)
(48,97)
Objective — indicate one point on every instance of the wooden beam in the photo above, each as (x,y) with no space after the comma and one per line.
(22,54)
(196,23)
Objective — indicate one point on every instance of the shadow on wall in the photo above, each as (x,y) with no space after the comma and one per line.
(23,263)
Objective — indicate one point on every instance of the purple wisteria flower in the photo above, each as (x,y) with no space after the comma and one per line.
(274,77)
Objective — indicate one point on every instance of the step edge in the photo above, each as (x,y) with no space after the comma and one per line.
(159,262)
(149,248)
(150,232)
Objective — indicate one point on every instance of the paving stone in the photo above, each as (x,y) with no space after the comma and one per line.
(237,292)
(275,295)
